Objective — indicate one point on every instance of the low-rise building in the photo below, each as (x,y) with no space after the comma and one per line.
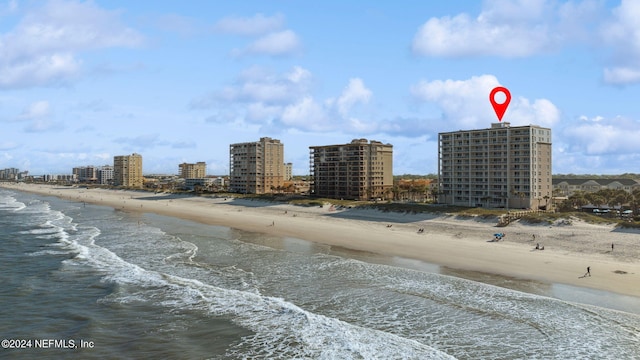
(568,187)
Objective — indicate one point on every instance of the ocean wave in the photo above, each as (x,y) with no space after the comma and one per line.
(281,329)
(48,252)
(521,325)
(10,203)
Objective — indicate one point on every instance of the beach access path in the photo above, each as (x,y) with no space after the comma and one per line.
(465,244)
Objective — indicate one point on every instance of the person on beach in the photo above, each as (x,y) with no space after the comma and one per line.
(611,247)
(588,271)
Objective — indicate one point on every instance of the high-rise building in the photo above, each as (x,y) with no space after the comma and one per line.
(193,171)
(105,174)
(9,174)
(127,171)
(288,171)
(256,167)
(358,170)
(503,166)
(86,173)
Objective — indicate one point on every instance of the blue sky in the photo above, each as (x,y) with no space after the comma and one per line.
(82,81)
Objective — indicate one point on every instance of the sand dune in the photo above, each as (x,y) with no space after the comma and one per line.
(446,240)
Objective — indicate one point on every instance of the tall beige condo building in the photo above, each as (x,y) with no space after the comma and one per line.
(193,171)
(499,167)
(357,170)
(127,171)
(256,167)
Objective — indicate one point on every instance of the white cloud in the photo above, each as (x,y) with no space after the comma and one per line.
(622,34)
(274,44)
(284,101)
(43,46)
(594,119)
(44,69)
(465,103)
(509,31)
(526,28)
(258,112)
(622,75)
(505,28)
(270,37)
(256,25)
(298,75)
(604,136)
(43,125)
(539,112)
(306,114)
(36,110)
(355,92)
(260,85)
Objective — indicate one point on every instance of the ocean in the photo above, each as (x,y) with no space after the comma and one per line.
(92,282)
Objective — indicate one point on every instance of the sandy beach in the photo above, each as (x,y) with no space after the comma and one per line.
(464,244)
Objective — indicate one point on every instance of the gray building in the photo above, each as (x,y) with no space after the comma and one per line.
(105,174)
(498,167)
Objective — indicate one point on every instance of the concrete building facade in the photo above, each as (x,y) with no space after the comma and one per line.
(288,171)
(256,167)
(127,171)
(9,174)
(193,171)
(105,174)
(86,173)
(499,167)
(358,170)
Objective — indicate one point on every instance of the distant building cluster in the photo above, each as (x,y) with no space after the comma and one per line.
(12,174)
(93,174)
(498,167)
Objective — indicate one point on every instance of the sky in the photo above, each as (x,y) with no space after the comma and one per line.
(83,81)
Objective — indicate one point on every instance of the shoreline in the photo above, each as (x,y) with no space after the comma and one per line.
(463,245)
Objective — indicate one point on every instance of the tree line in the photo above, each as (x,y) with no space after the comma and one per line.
(604,197)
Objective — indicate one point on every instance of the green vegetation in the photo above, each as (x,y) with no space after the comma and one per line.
(550,218)
(629,225)
(432,208)
(609,197)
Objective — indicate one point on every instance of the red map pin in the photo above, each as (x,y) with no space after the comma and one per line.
(500,108)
